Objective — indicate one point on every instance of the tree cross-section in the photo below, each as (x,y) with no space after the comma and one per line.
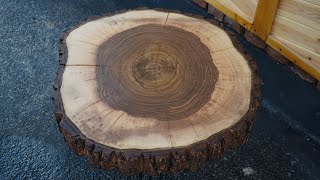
(154,91)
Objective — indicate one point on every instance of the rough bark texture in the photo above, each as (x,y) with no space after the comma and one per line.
(201,3)
(234,25)
(276,55)
(215,12)
(154,162)
(255,40)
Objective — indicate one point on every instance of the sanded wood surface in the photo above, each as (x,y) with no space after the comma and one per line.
(305,59)
(300,11)
(296,31)
(289,26)
(245,9)
(141,89)
(264,17)
(241,11)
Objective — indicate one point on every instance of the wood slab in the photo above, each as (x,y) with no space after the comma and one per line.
(154,91)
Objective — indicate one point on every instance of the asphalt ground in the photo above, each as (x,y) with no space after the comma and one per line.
(284,143)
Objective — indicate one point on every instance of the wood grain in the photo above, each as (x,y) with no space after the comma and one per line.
(290,25)
(296,34)
(139,67)
(152,91)
(263,19)
(300,11)
(307,60)
(315,2)
(245,9)
(232,10)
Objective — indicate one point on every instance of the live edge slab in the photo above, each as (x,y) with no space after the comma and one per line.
(152,91)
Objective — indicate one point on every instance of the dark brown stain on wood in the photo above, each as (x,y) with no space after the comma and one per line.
(151,71)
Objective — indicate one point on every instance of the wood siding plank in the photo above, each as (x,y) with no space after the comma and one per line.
(297,33)
(300,11)
(305,59)
(231,12)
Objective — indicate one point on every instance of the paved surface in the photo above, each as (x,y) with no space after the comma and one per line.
(283,144)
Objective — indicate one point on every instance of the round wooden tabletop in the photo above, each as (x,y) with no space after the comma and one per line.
(154,91)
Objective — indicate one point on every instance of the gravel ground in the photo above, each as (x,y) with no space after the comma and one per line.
(283,145)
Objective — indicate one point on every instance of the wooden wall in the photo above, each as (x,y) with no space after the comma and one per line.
(296,33)
(242,11)
(292,27)
(245,9)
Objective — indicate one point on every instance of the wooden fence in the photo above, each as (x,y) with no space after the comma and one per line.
(292,27)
